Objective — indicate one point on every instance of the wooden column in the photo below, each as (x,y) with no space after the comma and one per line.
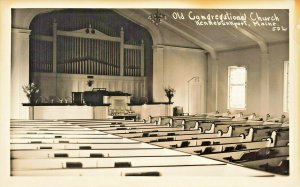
(142,59)
(54,46)
(122,52)
(265,82)
(19,72)
(158,74)
(214,84)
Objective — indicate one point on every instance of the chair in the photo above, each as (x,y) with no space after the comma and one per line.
(134,100)
(178,111)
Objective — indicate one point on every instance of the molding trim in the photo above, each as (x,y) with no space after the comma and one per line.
(257,38)
(84,76)
(21,31)
(181,48)
(81,34)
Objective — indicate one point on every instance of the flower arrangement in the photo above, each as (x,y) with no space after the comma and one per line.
(31,90)
(90,82)
(169,93)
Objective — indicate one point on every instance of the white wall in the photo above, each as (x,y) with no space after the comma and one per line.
(279,54)
(180,65)
(171,38)
(251,58)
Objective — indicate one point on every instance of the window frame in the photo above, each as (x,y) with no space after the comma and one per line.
(229,86)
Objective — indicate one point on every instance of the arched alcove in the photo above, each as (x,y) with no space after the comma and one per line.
(105,21)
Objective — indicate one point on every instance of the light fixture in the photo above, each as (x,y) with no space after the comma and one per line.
(157,17)
(90,30)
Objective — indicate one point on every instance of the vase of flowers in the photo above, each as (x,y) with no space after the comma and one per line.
(31,90)
(170,93)
(90,83)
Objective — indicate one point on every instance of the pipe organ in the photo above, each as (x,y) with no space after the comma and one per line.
(88,56)
(61,59)
(41,56)
(86,51)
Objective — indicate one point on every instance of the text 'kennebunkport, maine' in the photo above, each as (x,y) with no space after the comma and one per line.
(252,19)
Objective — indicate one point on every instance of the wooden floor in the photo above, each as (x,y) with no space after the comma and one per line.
(128,148)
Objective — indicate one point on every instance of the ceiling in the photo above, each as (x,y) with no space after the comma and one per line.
(185,32)
(221,38)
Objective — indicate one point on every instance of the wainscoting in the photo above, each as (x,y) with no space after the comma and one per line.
(94,112)
(62,85)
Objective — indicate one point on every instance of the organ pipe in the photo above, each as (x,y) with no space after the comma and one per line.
(86,55)
(54,57)
(122,52)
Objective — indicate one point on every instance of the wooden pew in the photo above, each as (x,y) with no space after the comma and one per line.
(237,154)
(66,146)
(112,129)
(200,150)
(68,130)
(137,134)
(183,137)
(166,171)
(86,153)
(57,136)
(258,164)
(281,168)
(47,141)
(109,162)
(204,141)
(210,140)
(119,125)
(223,126)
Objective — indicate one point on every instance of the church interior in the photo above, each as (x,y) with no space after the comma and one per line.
(150,92)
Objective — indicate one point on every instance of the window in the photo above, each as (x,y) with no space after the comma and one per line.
(237,79)
(286,87)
